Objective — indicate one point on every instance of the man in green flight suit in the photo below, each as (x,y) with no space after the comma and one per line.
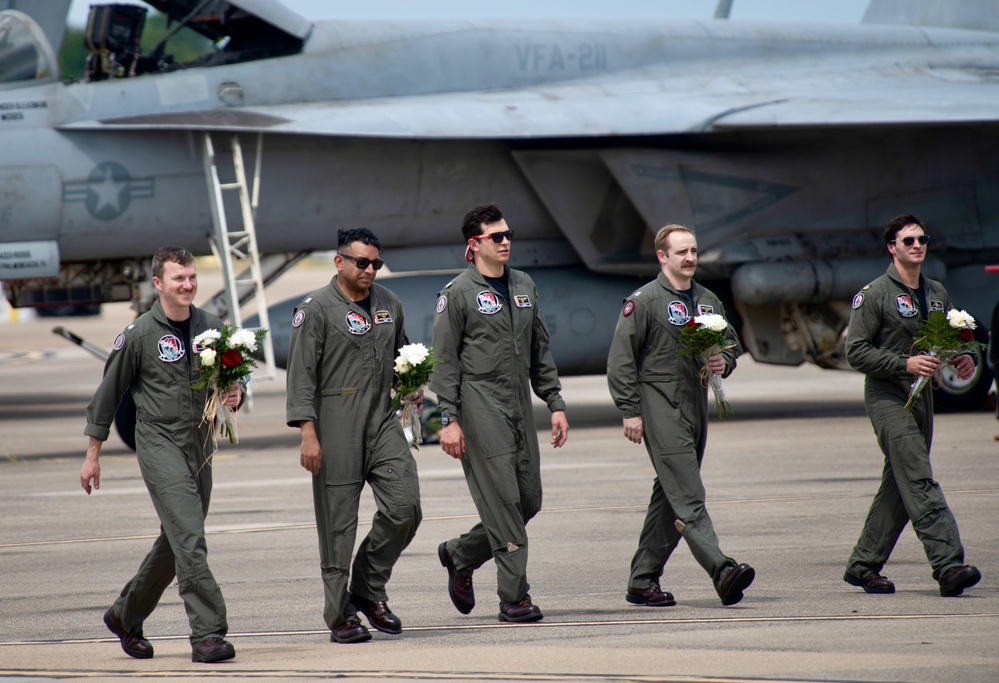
(152,357)
(492,343)
(664,400)
(341,362)
(883,324)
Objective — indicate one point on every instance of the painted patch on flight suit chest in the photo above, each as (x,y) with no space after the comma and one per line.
(441,303)
(522,300)
(936,305)
(629,308)
(704,309)
(298,319)
(357,323)
(858,300)
(678,314)
(382,317)
(170,347)
(487,302)
(119,341)
(905,306)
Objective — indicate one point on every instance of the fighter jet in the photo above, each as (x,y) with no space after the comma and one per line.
(785,146)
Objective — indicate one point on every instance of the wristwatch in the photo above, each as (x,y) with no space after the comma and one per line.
(447,419)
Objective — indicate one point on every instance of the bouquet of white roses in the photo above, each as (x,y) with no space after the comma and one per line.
(413,367)
(944,337)
(225,356)
(703,337)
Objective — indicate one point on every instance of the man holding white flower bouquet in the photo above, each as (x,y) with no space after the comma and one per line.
(658,374)
(887,327)
(155,358)
(341,365)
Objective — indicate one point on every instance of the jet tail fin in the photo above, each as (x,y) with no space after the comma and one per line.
(50,15)
(978,15)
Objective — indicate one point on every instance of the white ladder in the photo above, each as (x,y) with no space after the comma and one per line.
(232,247)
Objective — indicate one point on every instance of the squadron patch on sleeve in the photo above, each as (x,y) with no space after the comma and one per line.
(442,302)
(858,300)
(629,308)
(298,319)
(119,341)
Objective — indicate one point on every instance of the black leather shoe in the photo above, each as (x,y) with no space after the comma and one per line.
(212,650)
(872,583)
(132,642)
(953,582)
(458,587)
(350,631)
(652,596)
(735,580)
(378,613)
(520,612)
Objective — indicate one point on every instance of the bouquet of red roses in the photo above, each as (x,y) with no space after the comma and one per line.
(225,357)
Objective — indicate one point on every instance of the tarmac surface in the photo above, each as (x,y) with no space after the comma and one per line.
(789,479)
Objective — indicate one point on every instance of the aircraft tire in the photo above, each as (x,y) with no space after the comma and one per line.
(953,395)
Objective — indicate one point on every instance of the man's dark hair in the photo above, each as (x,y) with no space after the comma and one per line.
(899,222)
(471,224)
(170,254)
(362,235)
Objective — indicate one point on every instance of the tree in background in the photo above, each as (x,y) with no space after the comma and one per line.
(184,46)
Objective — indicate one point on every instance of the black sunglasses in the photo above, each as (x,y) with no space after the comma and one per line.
(496,237)
(910,240)
(363,263)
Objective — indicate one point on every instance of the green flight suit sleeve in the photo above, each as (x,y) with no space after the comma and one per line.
(622,361)
(121,368)
(544,374)
(864,352)
(305,355)
(449,325)
(735,350)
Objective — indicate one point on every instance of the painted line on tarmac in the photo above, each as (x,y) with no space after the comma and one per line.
(549,625)
(256,529)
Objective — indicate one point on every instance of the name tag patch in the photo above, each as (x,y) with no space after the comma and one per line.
(382,317)
(522,300)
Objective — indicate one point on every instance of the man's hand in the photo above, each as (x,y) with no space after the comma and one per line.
(633,429)
(91,469)
(232,396)
(417,402)
(453,440)
(964,365)
(923,366)
(716,364)
(312,452)
(560,429)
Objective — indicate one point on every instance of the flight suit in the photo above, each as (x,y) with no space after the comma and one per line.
(173,446)
(492,353)
(648,379)
(883,324)
(341,364)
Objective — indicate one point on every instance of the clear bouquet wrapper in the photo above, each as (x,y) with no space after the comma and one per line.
(702,337)
(413,367)
(715,383)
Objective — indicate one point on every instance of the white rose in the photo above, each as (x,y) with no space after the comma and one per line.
(243,338)
(207,338)
(960,319)
(712,321)
(401,365)
(207,357)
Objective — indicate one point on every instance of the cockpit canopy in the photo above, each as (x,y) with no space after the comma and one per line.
(25,52)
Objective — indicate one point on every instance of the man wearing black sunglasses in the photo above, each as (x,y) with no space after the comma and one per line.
(492,343)
(884,322)
(344,340)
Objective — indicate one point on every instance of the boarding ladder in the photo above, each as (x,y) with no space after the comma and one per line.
(238,247)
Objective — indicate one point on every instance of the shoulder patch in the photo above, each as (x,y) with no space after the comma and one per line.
(858,300)
(298,319)
(628,308)
(119,341)
(442,302)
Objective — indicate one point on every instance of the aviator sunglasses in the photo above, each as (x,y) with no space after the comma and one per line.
(363,263)
(496,237)
(910,240)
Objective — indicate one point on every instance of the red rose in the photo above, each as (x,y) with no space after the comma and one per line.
(690,323)
(967,336)
(231,358)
